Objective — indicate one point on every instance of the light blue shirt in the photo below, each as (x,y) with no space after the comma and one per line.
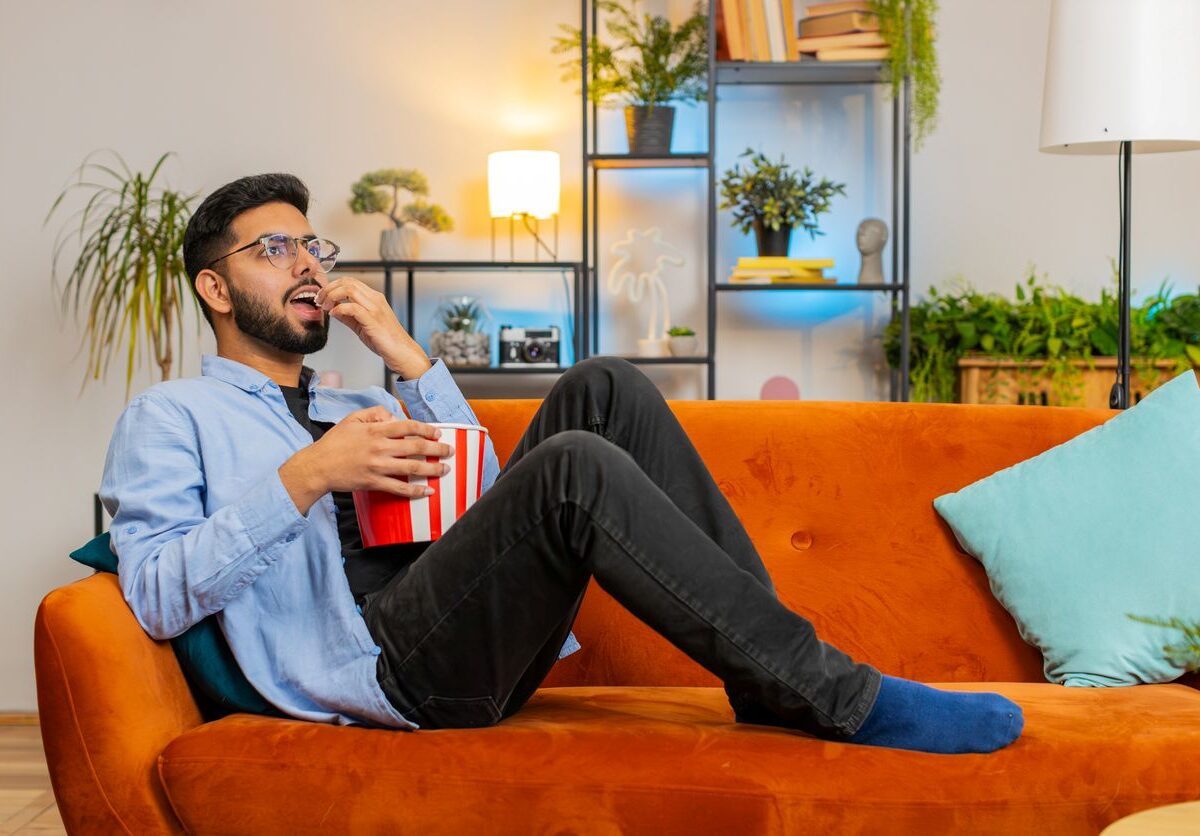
(202,524)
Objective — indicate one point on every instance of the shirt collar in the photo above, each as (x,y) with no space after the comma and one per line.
(244,377)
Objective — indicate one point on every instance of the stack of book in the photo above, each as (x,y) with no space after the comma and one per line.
(841,31)
(756,30)
(781,270)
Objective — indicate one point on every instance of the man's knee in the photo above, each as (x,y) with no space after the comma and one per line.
(581,447)
(615,369)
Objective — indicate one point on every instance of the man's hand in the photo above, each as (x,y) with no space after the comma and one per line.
(366,450)
(368,314)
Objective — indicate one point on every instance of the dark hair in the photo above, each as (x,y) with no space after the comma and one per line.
(209,233)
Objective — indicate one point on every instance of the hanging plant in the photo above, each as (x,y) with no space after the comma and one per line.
(912,55)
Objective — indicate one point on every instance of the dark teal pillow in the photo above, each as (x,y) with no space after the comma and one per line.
(203,653)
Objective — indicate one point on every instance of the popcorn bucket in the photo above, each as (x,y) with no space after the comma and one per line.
(384,518)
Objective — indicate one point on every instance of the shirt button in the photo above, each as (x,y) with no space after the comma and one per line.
(430,397)
(290,537)
(131,529)
(375,651)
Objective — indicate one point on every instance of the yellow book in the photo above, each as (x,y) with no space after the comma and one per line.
(780,262)
(802,273)
(865,54)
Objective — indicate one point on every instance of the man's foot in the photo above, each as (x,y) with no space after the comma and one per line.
(909,715)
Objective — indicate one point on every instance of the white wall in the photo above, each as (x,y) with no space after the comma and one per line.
(437,86)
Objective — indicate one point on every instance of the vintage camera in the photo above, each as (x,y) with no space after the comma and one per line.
(528,347)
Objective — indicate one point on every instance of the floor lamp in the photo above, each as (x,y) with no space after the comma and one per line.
(1122,77)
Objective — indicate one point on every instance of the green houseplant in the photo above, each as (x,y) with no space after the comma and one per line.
(771,198)
(1187,653)
(907,28)
(1045,324)
(128,275)
(462,340)
(379,191)
(682,341)
(646,64)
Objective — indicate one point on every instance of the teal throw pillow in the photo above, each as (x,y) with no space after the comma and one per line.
(1103,526)
(203,653)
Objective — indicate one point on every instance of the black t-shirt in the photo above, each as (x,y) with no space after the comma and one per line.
(367,570)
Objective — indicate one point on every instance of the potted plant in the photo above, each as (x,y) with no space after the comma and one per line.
(379,191)
(906,26)
(1041,348)
(647,65)
(682,340)
(772,198)
(128,274)
(462,342)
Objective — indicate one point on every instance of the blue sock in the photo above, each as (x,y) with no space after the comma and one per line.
(909,715)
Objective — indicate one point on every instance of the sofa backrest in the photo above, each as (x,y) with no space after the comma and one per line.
(838,499)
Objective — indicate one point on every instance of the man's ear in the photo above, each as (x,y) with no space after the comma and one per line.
(214,290)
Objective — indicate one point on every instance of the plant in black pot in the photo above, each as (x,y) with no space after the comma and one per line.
(647,64)
(773,198)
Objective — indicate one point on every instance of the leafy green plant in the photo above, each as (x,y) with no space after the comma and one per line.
(1046,324)
(379,191)
(647,63)
(128,275)
(1185,655)
(680,331)
(907,28)
(775,194)
(463,314)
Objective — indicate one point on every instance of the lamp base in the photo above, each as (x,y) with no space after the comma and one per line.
(533,225)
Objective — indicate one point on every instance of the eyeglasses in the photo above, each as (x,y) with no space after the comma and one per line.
(282,250)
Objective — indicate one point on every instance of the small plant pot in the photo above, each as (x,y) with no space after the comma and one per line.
(772,241)
(400,244)
(462,349)
(649,129)
(683,346)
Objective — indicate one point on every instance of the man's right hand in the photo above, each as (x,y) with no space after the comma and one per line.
(366,450)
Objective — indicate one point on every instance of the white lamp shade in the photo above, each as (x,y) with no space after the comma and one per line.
(523,183)
(1122,70)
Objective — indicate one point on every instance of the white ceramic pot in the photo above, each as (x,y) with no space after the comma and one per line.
(400,244)
(683,346)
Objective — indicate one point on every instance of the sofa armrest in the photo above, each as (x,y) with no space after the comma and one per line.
(110,699)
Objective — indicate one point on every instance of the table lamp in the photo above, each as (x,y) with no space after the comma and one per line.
(524,185)
(1123,77)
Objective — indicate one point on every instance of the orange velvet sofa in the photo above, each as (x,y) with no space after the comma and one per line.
(629,735)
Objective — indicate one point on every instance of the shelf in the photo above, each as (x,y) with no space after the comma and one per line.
(799,72)
(649,160)
(463,266)
(659,361)
(873,288)
(497,370)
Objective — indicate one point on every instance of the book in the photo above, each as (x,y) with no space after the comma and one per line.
(775,36)
(800,274)
(863,54)
(819,9)
(735,33)
(789,30)
(857,39)
(734,279)
(781,262)
(839,24)
(756,27)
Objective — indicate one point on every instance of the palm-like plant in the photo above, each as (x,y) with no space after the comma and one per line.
(128,275)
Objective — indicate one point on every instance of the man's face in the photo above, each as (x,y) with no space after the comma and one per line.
(263,296)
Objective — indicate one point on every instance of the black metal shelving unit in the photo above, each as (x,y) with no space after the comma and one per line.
(722,74)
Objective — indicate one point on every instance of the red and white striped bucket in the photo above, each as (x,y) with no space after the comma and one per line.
(385,519)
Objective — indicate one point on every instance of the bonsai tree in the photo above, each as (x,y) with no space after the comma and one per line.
(648,62)
(379,191)
(774,196)
(128,274)
(907,28)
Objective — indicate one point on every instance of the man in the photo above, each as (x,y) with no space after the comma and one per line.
(230,495)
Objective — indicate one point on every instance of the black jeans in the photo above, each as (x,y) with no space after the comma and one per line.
(604,484)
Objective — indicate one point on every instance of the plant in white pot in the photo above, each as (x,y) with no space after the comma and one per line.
(463,342)
(128,274)
(647,65)
(682,340)
(772,198)
(379,191)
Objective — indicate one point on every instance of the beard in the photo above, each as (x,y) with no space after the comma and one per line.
(255,319)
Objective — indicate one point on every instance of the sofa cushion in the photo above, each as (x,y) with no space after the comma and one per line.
(203,653)
(1080,537)
(670,760)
